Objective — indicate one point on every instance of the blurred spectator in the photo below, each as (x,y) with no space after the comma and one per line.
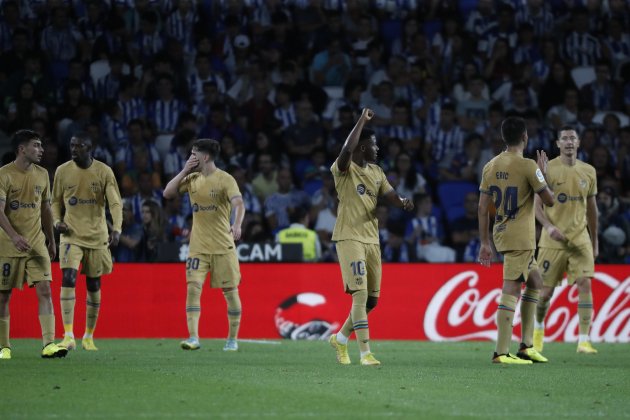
(305,135)
(579,47)
(281,204)
(425,232)
(332,66)
(174,220)
(265,182)
(299,233)
(411,180)
(465,230)
(130,237)
(153,231)
(614,230)
(396,249)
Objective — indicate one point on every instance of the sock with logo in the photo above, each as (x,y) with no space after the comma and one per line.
(93,304)
(505,316)
(529,300)
(585,313)
(193,307)
(4,331)
(233,301)
(360,321)
(68,299)
(47,323)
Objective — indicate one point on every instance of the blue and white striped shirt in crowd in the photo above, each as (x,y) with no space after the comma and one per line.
(543,22)
(432,118)
(60,45)
(286,116)
(148,45)
(402,132)
(581,49)
(102,154)
(251,202)
(526,54)
(445,143)
(107,87)
(397,9)
(619,49)
(430,226)
(165,114)
(490,37)
(181,28)
(126,155)
(602,96)
(132,109)
(477,24)
(115,133)
(195,85)
(90,30)
(541,140)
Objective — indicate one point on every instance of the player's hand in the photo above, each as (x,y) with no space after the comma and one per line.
(595,249)
(555,233)
(21,244)
(407,204)
(62,227)
(52,249)
(485,255)
(191,164)
(114,238)
(236,232)
(541,161)
(367,114)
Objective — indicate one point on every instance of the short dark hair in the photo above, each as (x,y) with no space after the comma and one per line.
(298,214)
(512,130)
(83,136)
(23,137)
(565,128)
(366,134)
(209,146)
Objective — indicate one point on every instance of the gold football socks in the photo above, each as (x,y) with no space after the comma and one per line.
(4,331)
(505,316)
(193,308)
(233,312)
(360,321)
(585,313)
(93,305)
(47,322)
(67,310)
(529,300)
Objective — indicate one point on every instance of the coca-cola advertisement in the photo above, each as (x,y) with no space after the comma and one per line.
(437,302)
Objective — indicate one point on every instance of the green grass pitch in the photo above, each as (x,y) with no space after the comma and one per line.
(154,379)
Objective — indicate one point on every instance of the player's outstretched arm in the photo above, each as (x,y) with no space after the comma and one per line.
(485,250)
(172,188)
(542,218)
(591,221)
(399,201)
(343,161)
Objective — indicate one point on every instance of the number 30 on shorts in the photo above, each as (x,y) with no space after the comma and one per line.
(192,263)
(358,268)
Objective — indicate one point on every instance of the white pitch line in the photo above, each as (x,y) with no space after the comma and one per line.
(261,341)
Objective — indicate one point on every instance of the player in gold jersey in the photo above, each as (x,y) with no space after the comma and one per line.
(359,183)
(213,195)
(82,188)
(511,181)
(24,255)
(568,242)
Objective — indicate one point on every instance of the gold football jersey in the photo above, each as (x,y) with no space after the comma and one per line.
(512,181)
(79,198)
(210,197)
(24,192)
(358,190)
(572,185)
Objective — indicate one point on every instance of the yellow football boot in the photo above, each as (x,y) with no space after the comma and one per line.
(88,344)
(51,350)
(341,349)
(369,360)
(586,348)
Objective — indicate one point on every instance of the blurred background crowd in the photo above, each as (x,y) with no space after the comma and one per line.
(280,84)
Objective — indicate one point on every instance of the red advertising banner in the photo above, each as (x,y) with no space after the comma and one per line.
(437,302)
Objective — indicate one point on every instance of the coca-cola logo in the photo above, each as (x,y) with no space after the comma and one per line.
(461,310)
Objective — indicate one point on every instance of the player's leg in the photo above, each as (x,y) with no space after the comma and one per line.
(5,344)
(197,268)
(513,275)
(582,269)
(585,315)
(374,274)
(529,301)
(67,300)
(93,305)
(47,321)
(553,264)
(226,274)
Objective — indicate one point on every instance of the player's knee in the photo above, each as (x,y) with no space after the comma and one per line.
(69,278)
(93,284)
(5,296)
(584,285)
(43,290)
(372,301)
(228,289)
(194,288)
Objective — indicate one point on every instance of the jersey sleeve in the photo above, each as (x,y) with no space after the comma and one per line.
(57,198)
(336,171)
(184,185)
(112,193)
(4,187)
(46,190)
(484,187)
(231,188)
(592,189)
(386,187)
(535,177)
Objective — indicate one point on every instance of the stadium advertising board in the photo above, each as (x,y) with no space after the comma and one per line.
(437,302)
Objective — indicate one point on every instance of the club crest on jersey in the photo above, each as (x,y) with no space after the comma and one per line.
(38,190)
(95,187)
(582,183)
(361,189)
(213,194)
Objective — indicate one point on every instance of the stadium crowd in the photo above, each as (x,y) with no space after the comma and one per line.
(280,83)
